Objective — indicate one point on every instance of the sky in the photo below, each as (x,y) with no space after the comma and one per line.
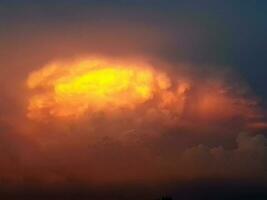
(133,99)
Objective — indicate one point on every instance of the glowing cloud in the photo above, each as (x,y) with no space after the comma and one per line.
(71,89)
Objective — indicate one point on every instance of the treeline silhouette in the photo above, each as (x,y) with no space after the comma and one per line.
(165,198)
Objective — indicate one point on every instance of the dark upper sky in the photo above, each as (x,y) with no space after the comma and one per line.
(229,33)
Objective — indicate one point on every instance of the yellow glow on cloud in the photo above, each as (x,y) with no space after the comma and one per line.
(71,89)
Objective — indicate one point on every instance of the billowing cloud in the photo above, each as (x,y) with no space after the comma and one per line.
(246,161)
(92,121)
(73,89)
(148,110)
(84,87)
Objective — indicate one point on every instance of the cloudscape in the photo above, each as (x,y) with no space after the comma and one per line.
(133,100)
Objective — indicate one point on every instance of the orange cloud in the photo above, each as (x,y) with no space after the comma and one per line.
(70,89)
(81,88)
(105,119)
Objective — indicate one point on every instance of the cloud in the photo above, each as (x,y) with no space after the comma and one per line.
(187,130)
(69,160)
(246,161)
